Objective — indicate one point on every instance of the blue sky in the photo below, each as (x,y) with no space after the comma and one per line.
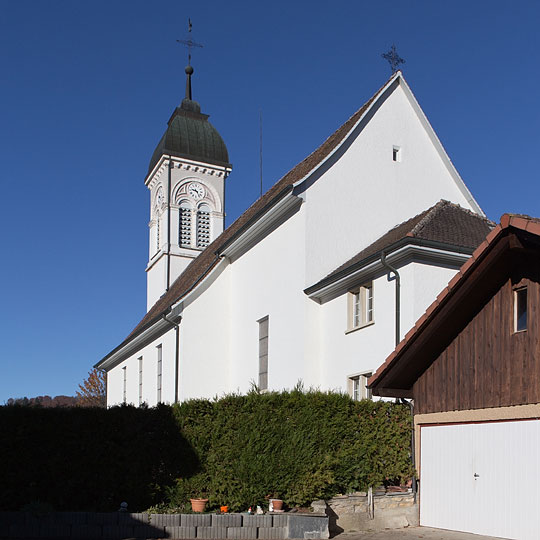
(87,89)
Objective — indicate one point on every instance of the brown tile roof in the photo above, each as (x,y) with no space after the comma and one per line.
(445,223)
(200,266)
(517,221)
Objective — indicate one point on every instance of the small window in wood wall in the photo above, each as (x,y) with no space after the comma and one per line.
(520,309)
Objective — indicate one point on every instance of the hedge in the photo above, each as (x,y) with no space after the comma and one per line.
(238,450)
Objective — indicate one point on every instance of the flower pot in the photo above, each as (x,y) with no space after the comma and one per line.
(198,505)
(277,504)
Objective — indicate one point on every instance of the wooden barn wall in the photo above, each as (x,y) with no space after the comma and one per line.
(488,364)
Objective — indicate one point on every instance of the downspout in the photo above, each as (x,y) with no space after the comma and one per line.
(168,277)
(398,339)
(398,294)
(176,355)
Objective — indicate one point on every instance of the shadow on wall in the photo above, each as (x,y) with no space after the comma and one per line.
(69,459)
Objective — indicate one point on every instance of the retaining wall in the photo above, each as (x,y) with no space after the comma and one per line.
(350,513)
(120,525)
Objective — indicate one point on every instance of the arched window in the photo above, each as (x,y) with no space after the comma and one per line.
(203,225)
(184,225)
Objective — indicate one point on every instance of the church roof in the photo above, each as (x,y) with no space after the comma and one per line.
(445,224)
(209,258)
(190,135)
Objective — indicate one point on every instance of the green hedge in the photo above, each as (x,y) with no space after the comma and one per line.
(238,450)
(297,445)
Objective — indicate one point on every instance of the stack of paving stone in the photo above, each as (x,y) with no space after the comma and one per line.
(119,525)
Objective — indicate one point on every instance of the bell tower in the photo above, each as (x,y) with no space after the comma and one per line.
(186,179)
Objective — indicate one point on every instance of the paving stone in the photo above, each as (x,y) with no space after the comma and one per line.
(241,533)
(196,520)
(60,530)
(211,532)
(271,533)
(165,520)
(117,531)
(258,521)
(86,531)
(180,532)
(227,520)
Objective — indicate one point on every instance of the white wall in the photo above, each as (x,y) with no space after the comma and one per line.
(365,193)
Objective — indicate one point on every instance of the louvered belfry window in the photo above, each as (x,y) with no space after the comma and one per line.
(184,232)
(203,225)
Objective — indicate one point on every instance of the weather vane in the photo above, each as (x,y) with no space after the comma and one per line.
(189,43)
(393,58)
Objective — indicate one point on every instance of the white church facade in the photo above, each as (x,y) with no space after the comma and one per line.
(316,280)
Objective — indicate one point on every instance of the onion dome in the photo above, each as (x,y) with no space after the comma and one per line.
(190,135)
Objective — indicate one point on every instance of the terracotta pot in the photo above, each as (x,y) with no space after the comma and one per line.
(277,504)
(198,505)
(224,509)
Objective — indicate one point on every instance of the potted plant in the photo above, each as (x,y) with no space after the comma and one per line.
(274,504)
(198,503)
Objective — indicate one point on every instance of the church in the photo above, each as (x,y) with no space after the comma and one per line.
(316,281)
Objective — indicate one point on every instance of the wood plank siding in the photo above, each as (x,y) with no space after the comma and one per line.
(488,364)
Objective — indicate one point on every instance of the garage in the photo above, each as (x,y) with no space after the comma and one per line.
(472,478)
(471,368)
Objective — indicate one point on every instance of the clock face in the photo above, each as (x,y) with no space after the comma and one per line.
(196,190)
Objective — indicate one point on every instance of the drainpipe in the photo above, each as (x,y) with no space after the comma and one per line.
(176,355)
(398,294)
(413,448)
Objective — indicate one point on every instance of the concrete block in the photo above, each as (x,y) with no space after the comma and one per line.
(308,526)
(242,533)
(89,532)
(117,532)
(196,520)
(59,530)
(126,518)
(103,518)
(144,530)
(180,532)
(272,533)
(71,518)
(24,531)
(227,520)
(280,520)
(258,521)
(165,520)
(211,532)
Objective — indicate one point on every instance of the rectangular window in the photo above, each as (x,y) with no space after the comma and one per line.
(360,306)
(357,386)
(520,309)
(159,371)
(140,380)
(124,392)
(263,353)
(396,153)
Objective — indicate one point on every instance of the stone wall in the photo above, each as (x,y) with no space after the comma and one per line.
(350,513)
(118,525)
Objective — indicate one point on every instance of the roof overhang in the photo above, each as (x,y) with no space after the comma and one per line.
(406,250)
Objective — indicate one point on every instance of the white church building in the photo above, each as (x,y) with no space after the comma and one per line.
(316,280)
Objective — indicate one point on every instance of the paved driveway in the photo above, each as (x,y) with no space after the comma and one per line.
(413,533)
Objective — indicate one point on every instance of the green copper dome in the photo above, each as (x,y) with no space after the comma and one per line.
(190,135)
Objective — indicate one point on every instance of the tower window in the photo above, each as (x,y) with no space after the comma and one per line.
(184,226)
(396,153)
(203,225)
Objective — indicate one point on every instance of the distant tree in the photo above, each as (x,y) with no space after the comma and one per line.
(92,390)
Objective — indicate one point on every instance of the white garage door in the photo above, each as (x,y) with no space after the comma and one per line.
(482,478)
